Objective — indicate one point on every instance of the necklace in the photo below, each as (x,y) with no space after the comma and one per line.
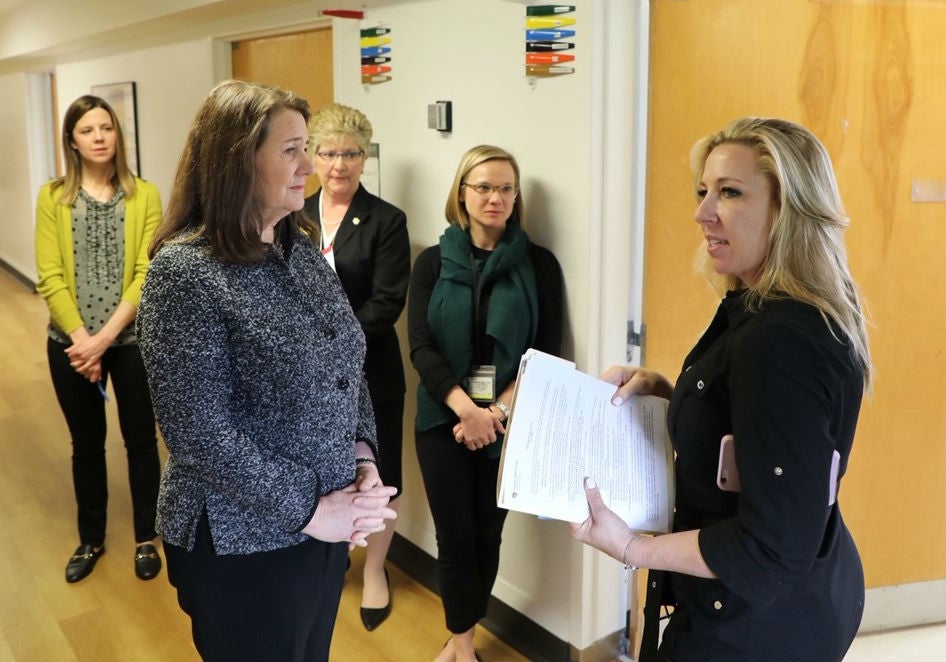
(100,192)
(327,239)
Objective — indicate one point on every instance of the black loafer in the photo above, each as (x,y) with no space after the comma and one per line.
(147,561)
(372,618)
(82,562)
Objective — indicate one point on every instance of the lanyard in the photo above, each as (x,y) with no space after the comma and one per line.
(477,358)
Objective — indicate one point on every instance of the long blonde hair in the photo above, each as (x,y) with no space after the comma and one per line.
(806,258)
(70,183)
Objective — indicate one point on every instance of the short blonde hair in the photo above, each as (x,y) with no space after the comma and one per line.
(455,210)
(335,122)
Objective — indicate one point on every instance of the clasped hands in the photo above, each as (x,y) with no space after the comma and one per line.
(478,427)
(85,354)
(354,512)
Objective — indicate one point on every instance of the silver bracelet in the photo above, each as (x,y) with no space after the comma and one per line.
(624,555)
(365,460)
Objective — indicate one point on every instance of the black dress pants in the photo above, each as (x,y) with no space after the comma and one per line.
(461,491)
(84,409)
(275,606)
(389,418)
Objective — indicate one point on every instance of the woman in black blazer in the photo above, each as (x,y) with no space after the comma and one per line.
(365,240)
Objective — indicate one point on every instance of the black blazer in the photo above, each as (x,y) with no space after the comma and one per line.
(373,261)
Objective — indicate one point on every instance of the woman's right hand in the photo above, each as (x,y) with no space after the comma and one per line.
(631,380)
(349,515)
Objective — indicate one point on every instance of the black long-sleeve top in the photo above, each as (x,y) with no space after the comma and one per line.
(790,585)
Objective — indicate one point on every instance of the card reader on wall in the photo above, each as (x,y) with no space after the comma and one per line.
(440,116)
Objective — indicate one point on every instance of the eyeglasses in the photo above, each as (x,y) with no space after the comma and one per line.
(486,190)
(347,157)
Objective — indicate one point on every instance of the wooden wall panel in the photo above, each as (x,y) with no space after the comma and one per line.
(869,78)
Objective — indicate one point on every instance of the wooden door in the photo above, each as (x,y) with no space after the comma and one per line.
(869,78)
(300,61)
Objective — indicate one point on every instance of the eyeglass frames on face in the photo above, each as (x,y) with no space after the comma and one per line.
(486,190)
(347,157)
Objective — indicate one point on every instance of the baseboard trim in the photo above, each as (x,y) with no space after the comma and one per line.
(525,635)
(19,277)
(904,605)
(885,608)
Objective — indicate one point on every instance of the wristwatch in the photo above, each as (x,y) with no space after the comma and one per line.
(501,406)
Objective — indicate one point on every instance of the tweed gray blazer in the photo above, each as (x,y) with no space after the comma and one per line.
(256,376)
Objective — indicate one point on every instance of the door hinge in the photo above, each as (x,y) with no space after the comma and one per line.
(635,343)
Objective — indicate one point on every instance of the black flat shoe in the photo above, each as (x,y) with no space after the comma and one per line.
(147,561)
(82,562)
(372,618)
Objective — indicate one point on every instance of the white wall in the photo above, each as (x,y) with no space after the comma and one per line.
(170,81)
(474,59)
(16,197)
(443,51)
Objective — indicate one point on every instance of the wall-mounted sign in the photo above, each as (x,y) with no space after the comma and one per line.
(547,26)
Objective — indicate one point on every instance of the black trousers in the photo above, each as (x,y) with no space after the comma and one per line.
(389,421)
(461,491)
(264,607)
(84,409)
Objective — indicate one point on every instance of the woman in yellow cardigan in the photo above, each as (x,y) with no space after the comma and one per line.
(93,228)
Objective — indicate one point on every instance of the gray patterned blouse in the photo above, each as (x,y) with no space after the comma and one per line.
(98,244)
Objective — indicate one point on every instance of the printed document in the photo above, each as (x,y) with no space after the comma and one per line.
(563,428)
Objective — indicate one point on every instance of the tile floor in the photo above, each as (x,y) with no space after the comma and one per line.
(918,644)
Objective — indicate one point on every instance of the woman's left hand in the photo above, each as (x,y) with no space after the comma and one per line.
(367,476)
(603,529)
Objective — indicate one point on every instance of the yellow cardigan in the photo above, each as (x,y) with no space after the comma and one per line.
(55,260)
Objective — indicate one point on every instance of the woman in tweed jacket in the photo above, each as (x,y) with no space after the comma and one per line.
(254,360)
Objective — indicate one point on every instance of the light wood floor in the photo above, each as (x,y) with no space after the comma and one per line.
(111,616)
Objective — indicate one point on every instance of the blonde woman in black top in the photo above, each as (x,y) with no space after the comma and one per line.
(769,573)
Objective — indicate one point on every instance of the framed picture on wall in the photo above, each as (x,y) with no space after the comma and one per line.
(121,97)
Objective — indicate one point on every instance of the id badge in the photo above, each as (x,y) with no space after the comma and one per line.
(480,383)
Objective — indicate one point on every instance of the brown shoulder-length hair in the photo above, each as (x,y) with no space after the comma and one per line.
(215,185)
(122,177)
(455,210)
